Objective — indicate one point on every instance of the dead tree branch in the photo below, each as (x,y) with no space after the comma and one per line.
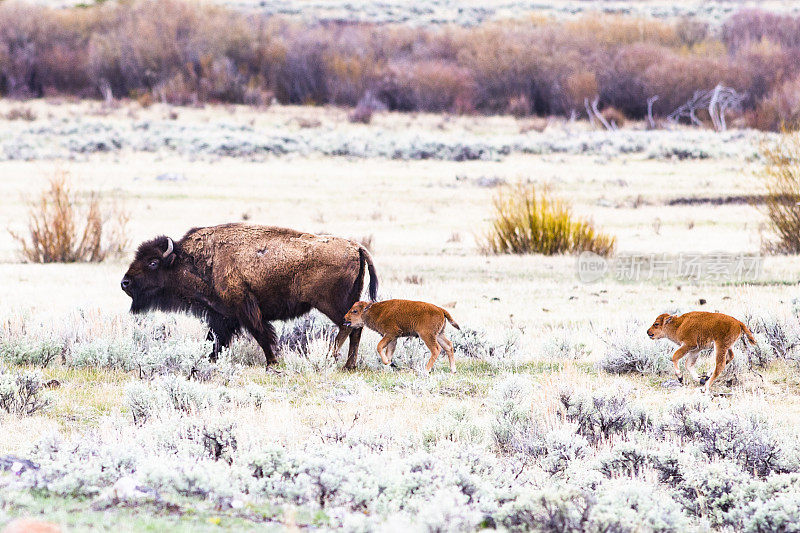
(718,101)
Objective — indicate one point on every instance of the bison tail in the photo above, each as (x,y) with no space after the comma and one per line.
(748,334)
(373,276)
(450,319)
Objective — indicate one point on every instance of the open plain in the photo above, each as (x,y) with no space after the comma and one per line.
(562,415)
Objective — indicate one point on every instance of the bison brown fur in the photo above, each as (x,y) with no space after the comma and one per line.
(242,276)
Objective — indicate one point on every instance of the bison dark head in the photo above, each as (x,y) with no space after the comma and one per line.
(149,280)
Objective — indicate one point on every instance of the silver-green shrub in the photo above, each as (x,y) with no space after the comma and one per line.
(454,424)
(22,393)
(564,344)
(601,416)
(779,513)
(31,351)
(628,349)
(478,344)
(626,505)
(562,509)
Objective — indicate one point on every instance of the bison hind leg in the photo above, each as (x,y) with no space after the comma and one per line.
(266,337)
(352,352)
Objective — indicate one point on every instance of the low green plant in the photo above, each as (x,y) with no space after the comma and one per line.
(528,221)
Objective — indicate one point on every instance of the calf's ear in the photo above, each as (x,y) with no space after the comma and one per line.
(668,319)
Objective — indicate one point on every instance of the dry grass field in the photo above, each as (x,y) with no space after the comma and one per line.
(532,432)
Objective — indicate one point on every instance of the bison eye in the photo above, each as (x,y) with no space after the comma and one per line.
(153,264)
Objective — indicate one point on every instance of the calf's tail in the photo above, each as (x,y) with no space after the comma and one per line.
(450,319)
(748,334)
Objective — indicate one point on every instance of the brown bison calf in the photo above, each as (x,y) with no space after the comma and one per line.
(695,331)
(404,318)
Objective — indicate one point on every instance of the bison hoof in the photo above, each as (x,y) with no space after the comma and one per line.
(680,380)
(703,379)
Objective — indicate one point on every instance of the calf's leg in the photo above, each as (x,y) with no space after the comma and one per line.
(445,343)
(679,353)
(691,360)
(390,351)
(433,345)
(383,348)
(719,365)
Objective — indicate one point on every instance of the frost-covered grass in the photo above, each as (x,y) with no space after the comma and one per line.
(525,435)
(231,139)
(472,12)
(524,455)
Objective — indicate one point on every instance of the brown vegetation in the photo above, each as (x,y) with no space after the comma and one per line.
(187,53)
(781,177)
(54,226)
(21,113)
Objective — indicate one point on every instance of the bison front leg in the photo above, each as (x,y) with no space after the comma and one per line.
(221,332)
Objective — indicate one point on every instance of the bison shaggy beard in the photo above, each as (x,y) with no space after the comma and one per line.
(240,277)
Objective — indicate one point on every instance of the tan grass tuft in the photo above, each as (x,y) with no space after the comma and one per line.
(525,222)
(60,231)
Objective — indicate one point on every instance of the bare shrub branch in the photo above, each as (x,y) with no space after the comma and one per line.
(781,178)
(59,231)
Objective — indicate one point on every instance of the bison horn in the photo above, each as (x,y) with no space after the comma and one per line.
(170,247)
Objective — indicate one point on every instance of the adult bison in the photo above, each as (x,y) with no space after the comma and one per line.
(242,276)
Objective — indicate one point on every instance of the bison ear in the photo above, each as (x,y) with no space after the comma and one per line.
(669,319)
(169,260)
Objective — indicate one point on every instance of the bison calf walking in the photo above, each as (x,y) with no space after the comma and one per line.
(404,318)
(242,276)
(695,331)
